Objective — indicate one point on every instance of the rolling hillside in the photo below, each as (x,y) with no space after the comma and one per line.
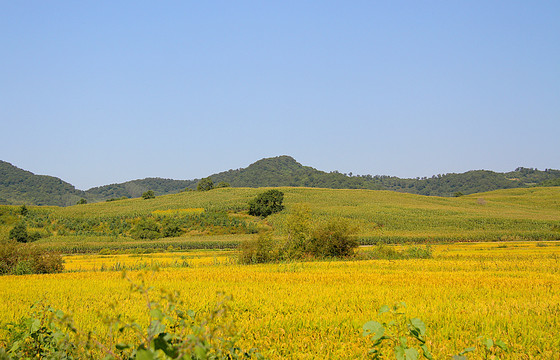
(18,186)
(218,218)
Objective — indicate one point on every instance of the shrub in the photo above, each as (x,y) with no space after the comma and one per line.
(298,231)
(267,203)
(333,239)
(19,259)
(172,230)
(148,195)
(385,252)
(82,201)
(257,251)
(146,228)
(23,211)
(417,252)
(205,184)
(19,233)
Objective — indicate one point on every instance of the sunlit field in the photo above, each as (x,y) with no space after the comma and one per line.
(315,310)
(218,220)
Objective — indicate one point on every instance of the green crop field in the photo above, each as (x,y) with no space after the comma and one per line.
(218,219)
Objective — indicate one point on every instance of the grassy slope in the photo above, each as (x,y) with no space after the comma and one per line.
(512,214)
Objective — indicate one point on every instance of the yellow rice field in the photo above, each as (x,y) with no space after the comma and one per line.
(315,310)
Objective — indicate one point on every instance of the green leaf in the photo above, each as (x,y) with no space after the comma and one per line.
(488,343)
(384,309)
(145,355)
(156,327)
(15,346)
(375,329)
(156,314)
(121,346)
(502,345)
(426,352)
(35,325)
(418,325)
(467,350)
(399,352)
(411,354)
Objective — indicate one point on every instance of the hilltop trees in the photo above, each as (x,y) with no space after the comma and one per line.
(205,184)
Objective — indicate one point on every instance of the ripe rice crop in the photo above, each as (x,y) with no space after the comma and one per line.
(315,310)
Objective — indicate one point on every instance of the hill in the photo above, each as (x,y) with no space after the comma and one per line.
(286,171)
(469,182)
(18,186)
(135,188)
(218,218)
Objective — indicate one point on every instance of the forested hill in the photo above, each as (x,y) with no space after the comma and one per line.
(470,182)
(285,171)
(18,186)
(136,188)
(278,171)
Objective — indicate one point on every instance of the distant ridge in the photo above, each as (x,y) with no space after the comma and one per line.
(286,171)
(18,186)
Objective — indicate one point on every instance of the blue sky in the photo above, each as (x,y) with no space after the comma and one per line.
(99,92)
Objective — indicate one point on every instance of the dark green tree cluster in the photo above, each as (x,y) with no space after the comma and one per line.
(19,186)
(205,184)
(267,203)
(135,188)
(19,233)
(148,195)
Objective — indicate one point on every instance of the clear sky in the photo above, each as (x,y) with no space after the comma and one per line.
(99,92)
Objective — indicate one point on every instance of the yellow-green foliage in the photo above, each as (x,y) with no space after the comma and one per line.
(315,310)
(516,214)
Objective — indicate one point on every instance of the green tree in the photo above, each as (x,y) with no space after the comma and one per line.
(205,184)
(267,203)
(148,195)
(82,201)
(23,210)
(19,233)
(147,228)
(222,184)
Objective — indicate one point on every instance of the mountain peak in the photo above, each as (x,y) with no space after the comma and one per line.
(282,162)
